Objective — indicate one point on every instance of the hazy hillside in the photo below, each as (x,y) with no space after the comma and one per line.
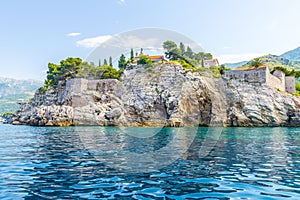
(11,86)
(274,61)
(235,65)
(292,55)
(290,59)
(13,91)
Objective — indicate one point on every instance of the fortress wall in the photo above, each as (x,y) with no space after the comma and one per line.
(262,76)
(92,84)
(251,76)
(107,85)
(290,85)
(76,85)
(275,82)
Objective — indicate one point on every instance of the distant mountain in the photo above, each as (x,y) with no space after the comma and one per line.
(292,55)
(10,86)
(13,91)
(290,58)
(235,65)
(274,61)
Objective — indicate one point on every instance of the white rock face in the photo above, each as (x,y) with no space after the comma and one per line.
(259,105)
(163,95)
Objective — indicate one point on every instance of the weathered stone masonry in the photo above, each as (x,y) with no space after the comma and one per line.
(263,76)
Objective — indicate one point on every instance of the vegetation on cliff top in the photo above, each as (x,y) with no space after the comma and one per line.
(190,60)
(173,52)
(76,68)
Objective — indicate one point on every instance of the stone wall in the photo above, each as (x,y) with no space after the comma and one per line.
(274,81)
(76,85)
(261,75)
(290,85)
(251,76)
(92,84)
(107,85)
(211,62)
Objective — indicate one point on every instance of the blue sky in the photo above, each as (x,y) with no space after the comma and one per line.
(34,33)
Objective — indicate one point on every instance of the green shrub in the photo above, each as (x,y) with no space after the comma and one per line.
(256,62)
(297,93)
(144,60)
(187,66)
(298,86)
(107,72)
(7,115)
(43,89)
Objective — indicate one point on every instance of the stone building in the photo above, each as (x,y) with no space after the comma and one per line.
(155,58)
(211,62)
(262,75)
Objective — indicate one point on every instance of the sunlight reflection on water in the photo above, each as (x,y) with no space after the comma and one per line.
(53,163)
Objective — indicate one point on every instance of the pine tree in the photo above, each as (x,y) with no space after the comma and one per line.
(131,55)
(99,64)
(122,62)
(189,53)
(110,61)
(105,61)
(182,47)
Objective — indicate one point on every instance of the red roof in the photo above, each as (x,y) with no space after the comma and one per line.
(156,57)
(151,57)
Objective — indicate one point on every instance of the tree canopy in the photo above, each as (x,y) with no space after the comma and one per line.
(256,62)
(110,61)
(169,45)
(122,62)
(76,68)
(287,72)
(190,60)
(185,53)
(131,55)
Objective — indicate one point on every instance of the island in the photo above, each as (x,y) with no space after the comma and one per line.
(180,88)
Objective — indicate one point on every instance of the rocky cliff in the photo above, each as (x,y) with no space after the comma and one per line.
(163,95)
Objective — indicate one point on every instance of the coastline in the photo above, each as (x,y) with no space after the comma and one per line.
(163,96)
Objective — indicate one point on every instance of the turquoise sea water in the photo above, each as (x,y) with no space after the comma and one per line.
(141,163)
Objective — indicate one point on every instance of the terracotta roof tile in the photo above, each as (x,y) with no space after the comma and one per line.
(156,57)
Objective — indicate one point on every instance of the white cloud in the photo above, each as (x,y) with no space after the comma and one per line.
(93,42)
(73,34)
(120,42)
(233,58)
(132,41)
